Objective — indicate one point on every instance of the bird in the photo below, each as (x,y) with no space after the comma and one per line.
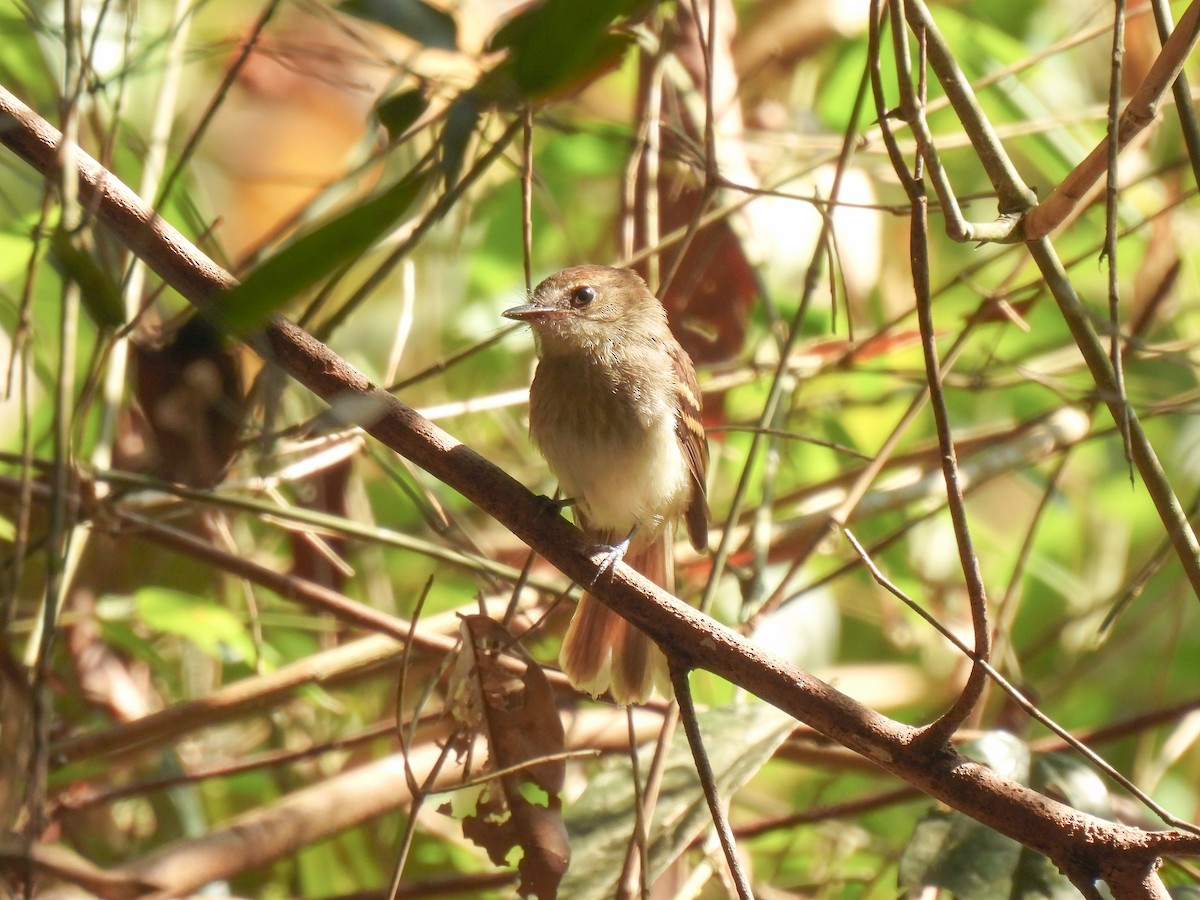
(614,408)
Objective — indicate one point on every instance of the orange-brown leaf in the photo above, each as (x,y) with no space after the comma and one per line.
(516,715)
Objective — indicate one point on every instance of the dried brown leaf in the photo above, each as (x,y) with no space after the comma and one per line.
(516,716)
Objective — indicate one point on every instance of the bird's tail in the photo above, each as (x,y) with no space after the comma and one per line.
(603,651)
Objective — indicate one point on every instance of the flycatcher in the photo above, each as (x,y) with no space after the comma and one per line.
(615,410)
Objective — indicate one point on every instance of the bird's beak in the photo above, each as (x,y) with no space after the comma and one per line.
(532,312)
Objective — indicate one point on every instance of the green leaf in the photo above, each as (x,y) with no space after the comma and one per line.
(950,851)
(576,33)
(739,740)
(314,256)
(461,119)
(398,112)
(210,626)
(1075,781)
(970,860)
(418,20)
(98,291)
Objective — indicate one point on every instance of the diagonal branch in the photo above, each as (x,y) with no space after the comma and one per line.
(1139,113)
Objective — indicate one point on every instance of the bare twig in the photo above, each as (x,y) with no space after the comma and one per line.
(1181,91)
(912,101)
(41,643)
(944,727)
(419,795)
(647,798)
(708,781)
(1111,199)
(903,794)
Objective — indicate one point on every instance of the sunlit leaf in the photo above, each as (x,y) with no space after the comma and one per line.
(207,624)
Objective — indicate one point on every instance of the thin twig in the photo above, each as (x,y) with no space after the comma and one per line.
(442,365)
(418,800)
(941,730)
(911,101)
(811,816)
(1133,589)
(634,880)
(1013,195)
(648,211)
(527,195)
(1006,609)
(61,524)
(527,257)
(708,781)
(402,687)
(1020,699)
(73,797)
(712,178)
(1111,202)
(1182,92)
(648,798)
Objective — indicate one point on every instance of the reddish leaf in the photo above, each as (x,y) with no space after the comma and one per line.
(714,284)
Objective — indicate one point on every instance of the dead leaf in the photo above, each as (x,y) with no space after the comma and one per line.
(189,389)
(521,809)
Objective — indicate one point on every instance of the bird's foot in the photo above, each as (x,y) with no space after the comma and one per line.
(612,554)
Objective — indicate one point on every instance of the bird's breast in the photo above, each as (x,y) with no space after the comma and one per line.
(611,443)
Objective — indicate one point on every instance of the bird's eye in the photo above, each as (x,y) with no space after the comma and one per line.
(582,296)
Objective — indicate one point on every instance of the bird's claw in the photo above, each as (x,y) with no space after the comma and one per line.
(613,554)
